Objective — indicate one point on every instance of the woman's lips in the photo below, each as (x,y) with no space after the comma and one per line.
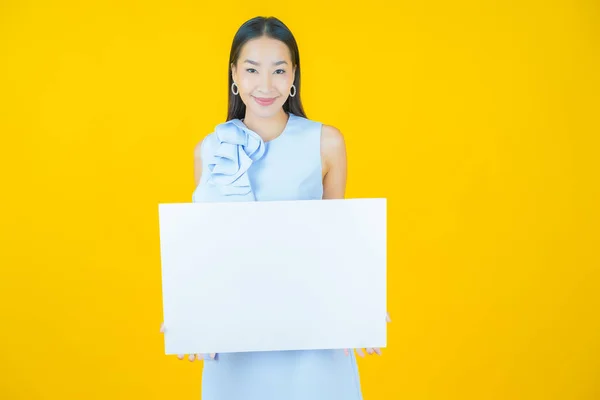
(264,101)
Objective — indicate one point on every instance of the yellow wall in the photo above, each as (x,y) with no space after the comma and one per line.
(474,120)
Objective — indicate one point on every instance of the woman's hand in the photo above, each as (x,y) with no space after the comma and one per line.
(369,350)
(190,357)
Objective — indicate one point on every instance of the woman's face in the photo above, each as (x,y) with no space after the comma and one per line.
(264,75)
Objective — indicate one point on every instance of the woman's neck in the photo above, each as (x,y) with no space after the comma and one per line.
(267,128)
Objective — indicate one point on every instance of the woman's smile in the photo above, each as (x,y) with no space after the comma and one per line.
(264,101)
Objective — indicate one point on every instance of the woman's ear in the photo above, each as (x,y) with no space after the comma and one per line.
(233,72)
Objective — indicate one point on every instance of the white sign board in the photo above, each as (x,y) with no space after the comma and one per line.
(273,275)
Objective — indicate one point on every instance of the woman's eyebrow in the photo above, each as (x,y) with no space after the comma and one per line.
(257,63)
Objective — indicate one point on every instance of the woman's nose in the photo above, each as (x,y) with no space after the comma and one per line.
(265,83)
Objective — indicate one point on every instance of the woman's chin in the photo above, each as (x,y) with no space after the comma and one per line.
(266,112)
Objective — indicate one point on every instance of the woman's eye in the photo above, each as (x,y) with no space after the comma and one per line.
(280,71)
(251,70)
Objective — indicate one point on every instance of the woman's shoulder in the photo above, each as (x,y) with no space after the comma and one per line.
(332,139)
(329,133)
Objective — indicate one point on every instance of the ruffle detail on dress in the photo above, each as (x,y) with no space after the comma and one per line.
(237,149)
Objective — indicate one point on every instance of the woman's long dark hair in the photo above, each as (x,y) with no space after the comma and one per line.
(275,29)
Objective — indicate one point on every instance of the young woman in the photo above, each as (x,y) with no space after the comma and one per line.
(268,150)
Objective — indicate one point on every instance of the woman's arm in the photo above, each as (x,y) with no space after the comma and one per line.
(197,163)
(333,158)
(197,176)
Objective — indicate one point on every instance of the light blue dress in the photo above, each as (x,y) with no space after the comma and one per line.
(239,166)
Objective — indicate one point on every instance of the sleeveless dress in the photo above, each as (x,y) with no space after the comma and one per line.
(239,166)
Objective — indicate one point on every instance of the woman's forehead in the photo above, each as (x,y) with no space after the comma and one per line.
(265,49)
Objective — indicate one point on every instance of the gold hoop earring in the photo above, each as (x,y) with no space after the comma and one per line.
(236,86)
(293,87)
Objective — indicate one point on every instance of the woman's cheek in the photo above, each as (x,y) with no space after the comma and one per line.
(247,84)
(283,85)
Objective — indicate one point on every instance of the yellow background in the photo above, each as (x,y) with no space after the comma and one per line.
(475,119)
